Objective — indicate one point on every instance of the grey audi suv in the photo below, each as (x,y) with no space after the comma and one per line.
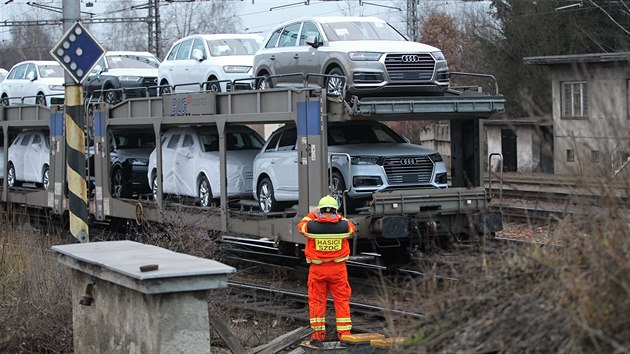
(379,159)
(376,59)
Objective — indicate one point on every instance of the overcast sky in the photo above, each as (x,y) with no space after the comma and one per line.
(256,15)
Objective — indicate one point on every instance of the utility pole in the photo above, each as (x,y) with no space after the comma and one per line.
(413,20)
(155,31)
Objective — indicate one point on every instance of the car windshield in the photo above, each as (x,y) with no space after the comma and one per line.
(50,71)
(132,62)
(233,46)
(347,134)
(234,141)
(134,141)
(361,30)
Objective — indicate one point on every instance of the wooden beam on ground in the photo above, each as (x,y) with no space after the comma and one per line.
(282,342)
(224,332)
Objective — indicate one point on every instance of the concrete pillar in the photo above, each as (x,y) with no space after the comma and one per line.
(122,304)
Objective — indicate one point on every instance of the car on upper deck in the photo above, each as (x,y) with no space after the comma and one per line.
(33,82)
(207,61)
(191,162)
(121,74)
(3,74)
(379,159)
(376,59)
(29,159)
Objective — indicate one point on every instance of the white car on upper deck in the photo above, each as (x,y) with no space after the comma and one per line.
(33,82)
(207,60)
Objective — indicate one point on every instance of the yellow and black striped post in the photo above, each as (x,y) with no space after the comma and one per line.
(75,157)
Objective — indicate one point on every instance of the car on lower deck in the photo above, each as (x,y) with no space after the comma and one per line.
(379,159)
(129,153)
(29,159)
(122,74)
(191,162)
(2,163)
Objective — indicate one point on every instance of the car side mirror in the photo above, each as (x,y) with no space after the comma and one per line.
(97,70)
(313,41)
(36,146)
(197,55)
(31,76)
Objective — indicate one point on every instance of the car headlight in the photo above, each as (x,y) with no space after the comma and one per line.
(438,56)
(55,87)
(129,78)
(364,160)
(236,69)
(139,162)
(364,56)
(436,157)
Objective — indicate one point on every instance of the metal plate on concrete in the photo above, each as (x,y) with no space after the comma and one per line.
(126,257)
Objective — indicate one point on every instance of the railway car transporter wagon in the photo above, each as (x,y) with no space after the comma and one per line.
(395,223)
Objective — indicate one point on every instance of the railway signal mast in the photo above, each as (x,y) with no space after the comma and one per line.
(77,52)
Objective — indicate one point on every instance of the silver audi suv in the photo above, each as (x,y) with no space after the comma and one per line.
(379,159)
(376,59)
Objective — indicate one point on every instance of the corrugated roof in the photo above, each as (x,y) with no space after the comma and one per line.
(577,58)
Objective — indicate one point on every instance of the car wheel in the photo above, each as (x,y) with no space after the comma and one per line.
(111,96)
(119,189)
(334,85)
(12,177)
(5,101)
(204,192)
(46,177)
(266,198)
(154,186)
(40,99)
(213,86)
(263,83)
(337,187)
(165,88)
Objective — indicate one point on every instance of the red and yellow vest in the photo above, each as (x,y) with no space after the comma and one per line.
(326,237)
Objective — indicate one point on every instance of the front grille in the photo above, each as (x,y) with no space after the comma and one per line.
(249,176)
(149,81)
(410,67)
(407,170)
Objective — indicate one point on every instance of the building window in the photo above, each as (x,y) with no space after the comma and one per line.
(574,99)
(594,156)
(570,155)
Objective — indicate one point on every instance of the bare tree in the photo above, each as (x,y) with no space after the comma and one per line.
(29,42)
(350,8)
(124,35)
(182,19)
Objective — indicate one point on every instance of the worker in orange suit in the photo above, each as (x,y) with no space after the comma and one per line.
(327,250)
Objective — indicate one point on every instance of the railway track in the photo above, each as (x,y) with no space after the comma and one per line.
(286,303)
(547,199)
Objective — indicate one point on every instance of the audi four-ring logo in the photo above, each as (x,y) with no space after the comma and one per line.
(408,161)
(410,58)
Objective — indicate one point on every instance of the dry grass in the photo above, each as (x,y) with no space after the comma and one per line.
(35,308)
(571,299)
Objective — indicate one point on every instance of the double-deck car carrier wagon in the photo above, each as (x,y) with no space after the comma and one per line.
(394,220)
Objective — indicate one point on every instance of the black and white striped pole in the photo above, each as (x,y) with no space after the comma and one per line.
(77,52)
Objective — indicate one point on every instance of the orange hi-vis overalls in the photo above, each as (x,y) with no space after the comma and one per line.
(327,250)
